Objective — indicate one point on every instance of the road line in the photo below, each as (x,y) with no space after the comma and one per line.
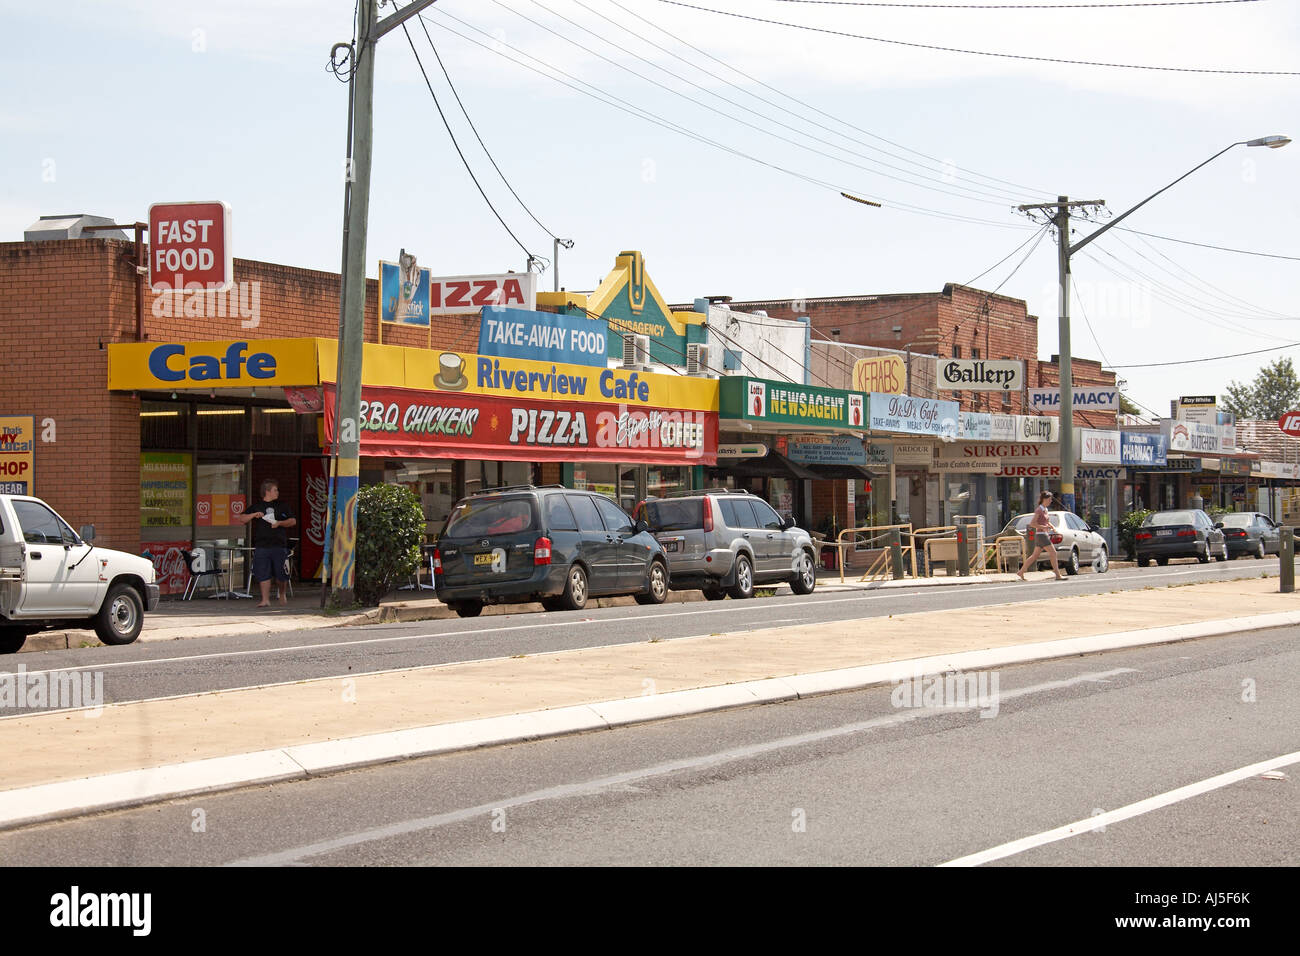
(589,787)
(1090,824)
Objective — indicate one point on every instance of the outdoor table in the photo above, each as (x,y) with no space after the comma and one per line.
(232,550)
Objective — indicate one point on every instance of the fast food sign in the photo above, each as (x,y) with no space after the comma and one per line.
(189,247)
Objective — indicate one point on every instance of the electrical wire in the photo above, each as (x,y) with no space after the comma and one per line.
(1003,56)
(477,136)
(1020,188)
(1212,358)
(1018,6)
(725,115)
(1206,245)
(644,115)
(459,152)
(1001,196)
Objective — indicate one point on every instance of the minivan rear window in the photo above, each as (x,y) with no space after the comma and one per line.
(1167,518)
(676,514)
(490,516)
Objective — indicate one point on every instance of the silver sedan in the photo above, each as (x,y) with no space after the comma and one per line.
(1076,543)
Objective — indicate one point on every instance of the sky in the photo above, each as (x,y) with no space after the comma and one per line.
(715,145)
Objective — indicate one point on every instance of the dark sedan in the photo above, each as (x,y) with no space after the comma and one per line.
(1179,534)
(1250,532)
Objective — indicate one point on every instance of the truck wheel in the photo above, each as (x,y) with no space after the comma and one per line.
(12,639)
(120,616)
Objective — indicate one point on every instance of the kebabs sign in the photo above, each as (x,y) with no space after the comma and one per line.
(189,247)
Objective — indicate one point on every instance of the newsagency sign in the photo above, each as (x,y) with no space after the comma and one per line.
(980,375)
(1085,400)
(755,399)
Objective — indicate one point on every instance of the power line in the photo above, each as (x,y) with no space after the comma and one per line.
(1020,187)
(1018,6)
(1000,202)
(1003,56)
(1002,195)
(1213,358)
(476,135)
(458,149)
(1206,245)
(645,115)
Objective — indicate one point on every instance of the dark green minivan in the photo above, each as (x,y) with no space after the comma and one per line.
(550,544)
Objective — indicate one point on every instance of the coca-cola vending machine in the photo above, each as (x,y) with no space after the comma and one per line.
(313,499)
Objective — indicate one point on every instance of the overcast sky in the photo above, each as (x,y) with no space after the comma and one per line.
(110,106)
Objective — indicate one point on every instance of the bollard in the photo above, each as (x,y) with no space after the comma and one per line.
(963,553)
(1286,552)
(896,553)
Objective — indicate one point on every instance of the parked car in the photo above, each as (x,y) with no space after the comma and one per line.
(50,576)
(1076,541)
(1250,532)
(725,541)
(550,544)
(1179,534)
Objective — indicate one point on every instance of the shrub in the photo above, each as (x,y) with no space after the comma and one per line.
(390,527)
(1128,525)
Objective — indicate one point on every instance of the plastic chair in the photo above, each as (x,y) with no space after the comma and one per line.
(197,563)
(288,571)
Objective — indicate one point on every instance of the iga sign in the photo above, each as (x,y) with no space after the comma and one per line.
(189,247)
(405,423)
(542,337)
(980,375)
(1085,399)
(1290,424)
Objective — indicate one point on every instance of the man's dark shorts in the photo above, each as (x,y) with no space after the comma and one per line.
(270,563)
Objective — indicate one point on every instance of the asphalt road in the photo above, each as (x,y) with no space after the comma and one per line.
(169,668)
(841,779)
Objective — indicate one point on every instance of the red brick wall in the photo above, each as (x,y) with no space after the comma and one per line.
(62,303)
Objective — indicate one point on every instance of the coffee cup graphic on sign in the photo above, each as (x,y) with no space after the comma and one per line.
(451,372)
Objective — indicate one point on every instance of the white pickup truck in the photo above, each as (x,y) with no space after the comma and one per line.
(51,577)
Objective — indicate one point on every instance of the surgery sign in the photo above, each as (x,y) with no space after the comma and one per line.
(408,423)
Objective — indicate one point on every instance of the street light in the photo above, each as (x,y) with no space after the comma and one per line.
(1065,249)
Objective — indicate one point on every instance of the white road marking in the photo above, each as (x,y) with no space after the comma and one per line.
(622,780)
(1088,824)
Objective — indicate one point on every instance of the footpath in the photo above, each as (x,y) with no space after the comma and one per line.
(68,762)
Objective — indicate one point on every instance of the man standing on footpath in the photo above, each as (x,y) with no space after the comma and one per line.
(270,542)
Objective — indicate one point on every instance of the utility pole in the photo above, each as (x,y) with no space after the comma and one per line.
(347,427)
(568,244)
(1061,220)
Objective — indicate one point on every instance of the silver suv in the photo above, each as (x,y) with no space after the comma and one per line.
(725,541)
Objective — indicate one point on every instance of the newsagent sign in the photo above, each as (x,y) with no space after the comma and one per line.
(755,399)
(409,423)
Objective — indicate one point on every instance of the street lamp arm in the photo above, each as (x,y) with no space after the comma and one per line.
(1118,219)
(395,20)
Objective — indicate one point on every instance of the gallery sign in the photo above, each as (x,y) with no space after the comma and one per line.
(1039,428)
(980,375)
(407,423)
(916,416)
(1085,400)
(542,337)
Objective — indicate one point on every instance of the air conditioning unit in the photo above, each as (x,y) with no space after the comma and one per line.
(636,351)
(697,359)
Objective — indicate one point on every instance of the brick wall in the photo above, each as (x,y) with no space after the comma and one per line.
(62,303)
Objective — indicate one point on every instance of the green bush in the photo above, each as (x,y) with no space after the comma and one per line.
(1128,525)
(390,528)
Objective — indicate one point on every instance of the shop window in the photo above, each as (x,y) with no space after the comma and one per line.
(276,429)
(221,427)
(164,424)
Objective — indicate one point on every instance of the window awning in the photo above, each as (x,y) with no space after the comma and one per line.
(851,472)
(772,465)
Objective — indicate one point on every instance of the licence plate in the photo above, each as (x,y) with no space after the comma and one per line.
(669,545)
(1163,534)
(482,559)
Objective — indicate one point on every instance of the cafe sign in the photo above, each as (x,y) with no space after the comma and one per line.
(753,399)
(980,375)
(915,416)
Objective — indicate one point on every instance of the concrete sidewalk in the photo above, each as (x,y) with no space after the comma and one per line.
(164,748)
(206,617)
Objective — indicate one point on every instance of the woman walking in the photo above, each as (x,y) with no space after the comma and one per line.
(1041,526)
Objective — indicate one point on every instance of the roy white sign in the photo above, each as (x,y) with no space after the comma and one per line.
(980,375)
(1085,399)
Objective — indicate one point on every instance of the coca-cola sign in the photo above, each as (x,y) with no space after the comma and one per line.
(313,495)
